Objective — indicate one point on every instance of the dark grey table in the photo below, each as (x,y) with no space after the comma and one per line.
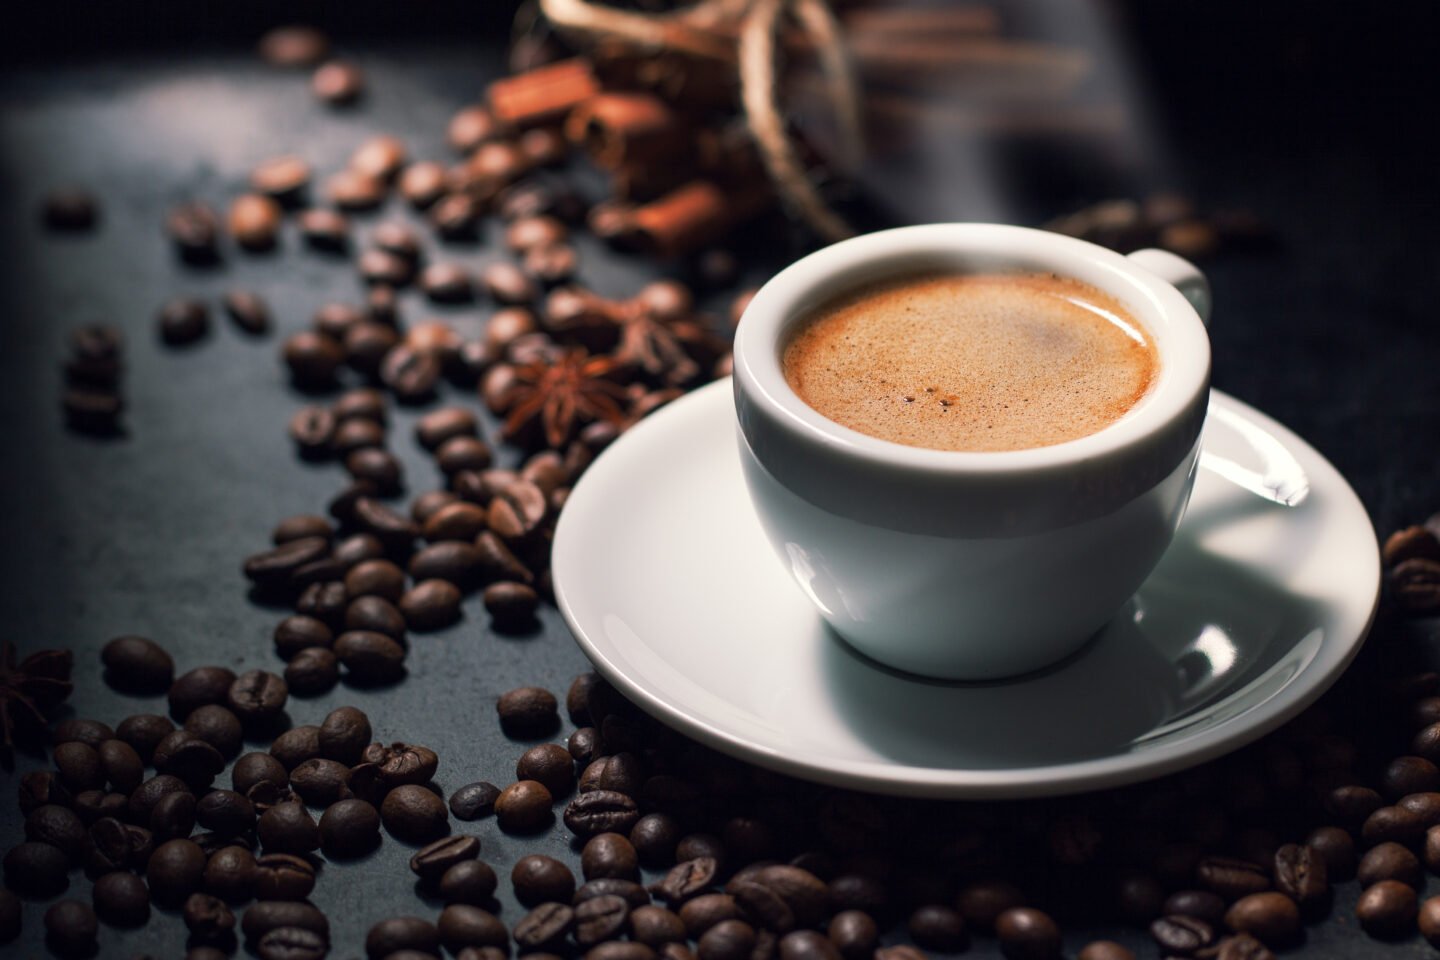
(1334,335)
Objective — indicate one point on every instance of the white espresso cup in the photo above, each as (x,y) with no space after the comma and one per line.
(972,565)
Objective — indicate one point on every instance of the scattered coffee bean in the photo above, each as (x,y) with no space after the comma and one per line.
(324,229)
(70,928)
(1027,934)
(1388,861)
(254,768)
(344,734)
(292,943)
(370,658)
(230,874)
(207,918)
(283,876)
(121,764)
(467,881)
(137,665)
(413,814)
(173,817)
(257,697)
(183,321)
(401,933)
(602,811)
(511,606)
(528,712)
(121,899)
(1388,909)
(474,800)
(349,828)
(1271,917)
(254,221)
(248,311)
(288,828)
(421,184)
(431,605)
(319,782)
(524,807)
(174,871)
(463,925)
(264,916)
(35,869)
(544,926)
(195,229)
(338,83)
(70,209)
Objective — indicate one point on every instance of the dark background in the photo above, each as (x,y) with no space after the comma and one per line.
(1314,116)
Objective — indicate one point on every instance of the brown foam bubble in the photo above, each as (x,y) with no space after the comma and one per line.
(972,362)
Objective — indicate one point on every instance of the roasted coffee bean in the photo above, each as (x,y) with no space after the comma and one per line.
(301,525)
(381,156)
(325,602)
(432,860)
(1108,950)
(121,765)
(654,837)
(137,665)
(230,873)
(274,568)
(1231,878)
(423,507)
(1406,775)
(1388,861)
(292,943)
(854,933)
(266,915)
(498,563)
(295,46)
(70,928)
(353,190)
(628,890)
(511,606)
(1410,543)
(380,467)
(455,216)
(338,83)
(143,732)
(516,511)
(393,531)
(296,745)
(84,730)
(375,614)
(463,453)
(344,734)
(609,855)
(254,221)
(620,772)
(401,933)
(1429,921)
(1395,824)
(544,147)
(411,374)
(174,871)
(267,794)
(78,766)
(257,697)
(183,321)
(93,805)
(207,918)
(296,633)
(650,924)
(451,560)
(121,899)
(349,828)
(324,229)
(369,657)
(584,746)
(727,940)
(379,266)
(225,812)
(1180,934)
(685,879)
(92,411)
(413,814)
(421,184)
(577,699)
(1197,904)
(281,178)
(602,811)
(182,754)
(1388,909)
(61,828)
(474,800)
(254,768)
(312,672)
(117,846)
(446,283)
(248,311)
(603,918)
(463,925)
(312,429)
(361,403)
(528,712)
(524,808)
(194,229)
(1272,918)
(702,912)
(320,782)
(550,764)
(1300,874)
(530,232)
(283,876)
(217,726)
(431,605)
(537,878)
(288,828)
(546,925)
(1415,587)
(377,577)
(173,816)
(467,881)
(312,358)
(470,127)
(35,869)
(365,346)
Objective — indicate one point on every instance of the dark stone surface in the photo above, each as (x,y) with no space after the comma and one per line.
(1334,335)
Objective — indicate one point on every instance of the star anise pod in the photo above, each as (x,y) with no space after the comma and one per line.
(555,400)
(39,682)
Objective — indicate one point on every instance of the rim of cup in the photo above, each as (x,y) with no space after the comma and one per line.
(1176,330)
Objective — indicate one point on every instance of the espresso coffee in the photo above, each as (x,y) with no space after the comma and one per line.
(983,362)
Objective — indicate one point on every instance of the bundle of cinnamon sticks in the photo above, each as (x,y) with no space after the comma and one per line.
(665,122)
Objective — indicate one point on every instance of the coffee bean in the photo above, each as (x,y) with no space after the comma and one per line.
(1272,918)
(217,726)
(584,745)
(174,871)
(401,933)
(1104,950)
(653,925)
(411,374)
(292,943)
(455,216)
(264,916)
(854,933)
(1231,878)
(1300,874)
(517,511)
(349,828)
(142,732)
(183,321)
(430,862)
(288,828)
(1197,904)
(498,563)
(446,283)
(313,430)
(1388,861)
(1406,775)
(194,229)
(1182,935)
(92,411)
(338,83)
(379,266)
(431,605)
(273,569)
(312,358)
(248,311)
(79,766)
(609,855)
(413,814)
(230,873)
(380,578)
(727,940)
(474,800)
(324,229)
(1388,909)
(173,816)
(312,672)
(604,918)
(70,208)
(381,156)
(207,918)
(543,926)
(353,190)
(121,899)
(59,827)
(537,878)
(283,876)
(1429,920)
(511,606)
(467,881)
(530,232)
(375,614)
(297,633)
(344,734)
(39,787)
(454,561)
(528,712)
(257,697)
(1395,824)
(137,665)
(295,46)
(254,221)
(254,768)
(1415,586)
(319,782)
(70,928)
(121,765)
(369,657)
(92,733)
(601,811)
(35,869)
(421,184)
(295,746)
(225,812)
(463,925)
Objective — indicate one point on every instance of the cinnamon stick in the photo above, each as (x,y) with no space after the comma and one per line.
(976,64)
(627,129)
(543,95)
(913,21)
(693,216)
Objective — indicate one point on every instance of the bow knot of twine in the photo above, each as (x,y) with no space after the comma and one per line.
(701,31)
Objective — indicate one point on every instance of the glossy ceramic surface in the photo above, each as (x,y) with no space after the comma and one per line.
(665,576)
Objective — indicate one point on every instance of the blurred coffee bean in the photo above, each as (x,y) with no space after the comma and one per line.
(248,311)
(70,208)
(70,928)
(1388,910)
(183,321)
(338,83)
(281,178)
(324,229)
(353,190)
(380,156)
(254,221)
(194,228)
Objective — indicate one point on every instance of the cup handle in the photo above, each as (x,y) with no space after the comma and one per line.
(1179,273)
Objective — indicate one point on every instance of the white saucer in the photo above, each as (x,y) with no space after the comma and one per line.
(665,577)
